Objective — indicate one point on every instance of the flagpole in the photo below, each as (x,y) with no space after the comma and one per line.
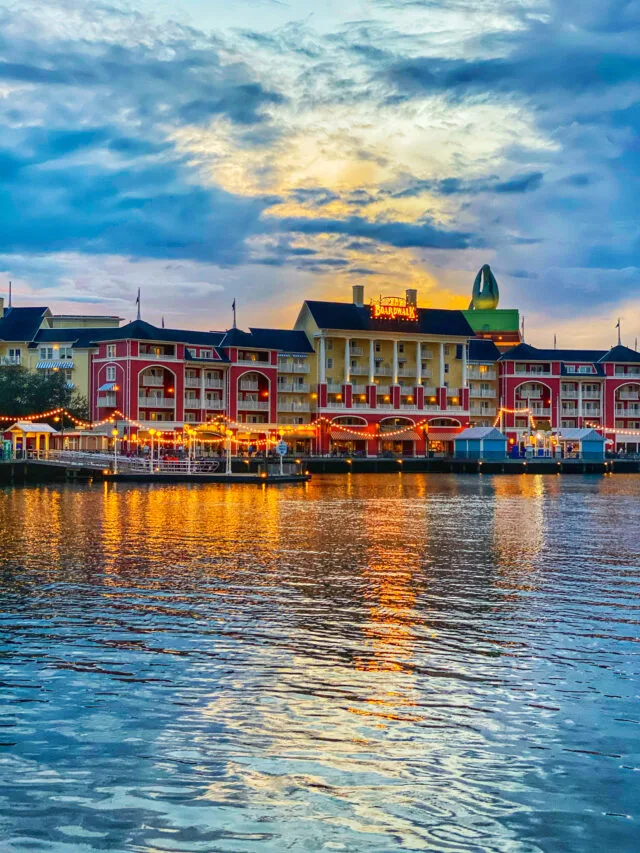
(233,307)
(138,303)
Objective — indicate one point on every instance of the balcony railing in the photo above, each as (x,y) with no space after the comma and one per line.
(628,412)
(152,381)
(192,402)
(628,395)
(530,393)
(429,391)
(253,405)
(214,404)
(406,371)
(591,413)
(106,399)
(426,373)
(192,382)
(629,371)
(293,407)
(156,402)
(486,375)
(382,371)
(288,366)
(247,385)
(540,412)
(334,388)
(483,392)
(356,351)
(383,389)
(293,388)
(570,394)
(570,411)
(479,411)
(359,370)
(7,361)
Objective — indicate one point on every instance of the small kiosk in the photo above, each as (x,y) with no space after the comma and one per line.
(480,443)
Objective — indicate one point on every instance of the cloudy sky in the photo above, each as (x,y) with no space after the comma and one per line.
(273,151)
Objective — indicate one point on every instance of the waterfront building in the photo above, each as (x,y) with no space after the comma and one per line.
(45,342)
(500,325)
(390,376)
(484,389)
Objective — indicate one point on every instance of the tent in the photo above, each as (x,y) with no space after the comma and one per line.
(585,443)
(480,443)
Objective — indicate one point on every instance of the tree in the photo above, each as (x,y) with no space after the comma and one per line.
(25,393)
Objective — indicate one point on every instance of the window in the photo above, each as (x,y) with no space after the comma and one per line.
(447,348)
(400,347)
(378,346)
(585,368)
(68,376)
(329,343)
(65,353)
(46,353)
(446,368)
(111,373)
(190,417)
(378,363)
(15,355)
(206,353)
(446,384)
(190,395)
(111,350)
(571,368)
(354,362)
(329,363)
(353,343)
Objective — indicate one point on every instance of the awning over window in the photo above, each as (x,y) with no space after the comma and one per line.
(50,365)
(406,435)
(434,435)
(108,386)
(343,435)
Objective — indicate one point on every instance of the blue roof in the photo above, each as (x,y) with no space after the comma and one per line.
(526,352)
(355,318)
(139,330)
(483,350)
(78,338)
(21,324)
(621,354)
(284,340)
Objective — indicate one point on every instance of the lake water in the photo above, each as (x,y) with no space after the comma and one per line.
(367,663)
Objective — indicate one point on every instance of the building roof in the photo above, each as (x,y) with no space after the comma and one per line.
(585,434)
(621,354)
(526,352)
(78,338)
(139,330)
(356,318)
(29,427)
(484,433)
(21,324)
(493,319)
(483,350)
(283,340)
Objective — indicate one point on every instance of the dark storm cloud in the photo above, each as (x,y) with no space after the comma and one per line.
(399,234)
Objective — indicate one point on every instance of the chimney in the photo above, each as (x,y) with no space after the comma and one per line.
(412,297)
(358,295)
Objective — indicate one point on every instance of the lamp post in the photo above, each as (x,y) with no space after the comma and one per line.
(228,448)
(114,433)
(152,433)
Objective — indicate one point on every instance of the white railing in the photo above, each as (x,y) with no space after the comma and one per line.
(482,392)
(383,389)
(629,371)
(248,385)
(192,382)
(253,405)
(156,402)
(629,412)
(359,389)
(356,351)
(106,399)
(151,356)
(384,405)
(358,404)
(253,363)
(591,413)
(192,402)
(426,373)
(213,383)
(334,388)
(540,412)
(359,370)
(406,371)
(628,395)
(571,394)
(429,391)
(569,412)
(6,361)
(486,375)
(530,393)
(288,366)
(455,408)
(382,371)
(425,355)
(152,381)
(214,404)
(480,411)
(293,407)
(292,388)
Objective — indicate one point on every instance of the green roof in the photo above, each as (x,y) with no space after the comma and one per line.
(494,320)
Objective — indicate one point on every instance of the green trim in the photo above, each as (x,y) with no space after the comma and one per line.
(494,320)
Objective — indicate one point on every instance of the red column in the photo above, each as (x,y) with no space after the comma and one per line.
(322,395)
(418,396)
(464,398)
(347,395)
(395,396)
(372,396)
(441,394)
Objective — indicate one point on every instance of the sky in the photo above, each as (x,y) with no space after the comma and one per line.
(271,151)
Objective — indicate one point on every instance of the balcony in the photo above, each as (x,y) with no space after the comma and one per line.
(292,366)
(293,407)
(591,413)
(253,405)
(570,411)
(486,375)
(407,371)
(334,388)
(356,351)
(570,394)
(451,408)
(382,371)
(359,389)
(426,373)
(247,385)
(152,381)
(540,412)
(214,404)
(480,411)
(628,395)
(629,412)
(192,402)
(483,392)
(106,399)
(425,355)
(359,370)
(192,382)
(530,393)
(292,388)
(429,391)
(213,383)
(383,389)
(358,404)
(8,361)
(629,371)
(156,402)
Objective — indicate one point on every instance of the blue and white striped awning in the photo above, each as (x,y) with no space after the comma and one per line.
(51,365)
(108,386)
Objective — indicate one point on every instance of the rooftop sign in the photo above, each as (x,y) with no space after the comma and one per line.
(393,308)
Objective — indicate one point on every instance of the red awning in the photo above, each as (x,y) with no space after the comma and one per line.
(433,435)
(347,435)
(405,435)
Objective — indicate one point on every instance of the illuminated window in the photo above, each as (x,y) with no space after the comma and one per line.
(111,350)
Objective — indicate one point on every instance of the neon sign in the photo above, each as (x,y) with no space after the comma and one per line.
(393,308)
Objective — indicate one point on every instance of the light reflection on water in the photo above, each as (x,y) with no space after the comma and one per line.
(362,664)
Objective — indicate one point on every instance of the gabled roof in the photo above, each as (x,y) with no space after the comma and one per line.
(21,324)
(526,352)
(237,338)
(357,318)
(139,330)
(483,350)
(486,432)
(584,434)
(621,354)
